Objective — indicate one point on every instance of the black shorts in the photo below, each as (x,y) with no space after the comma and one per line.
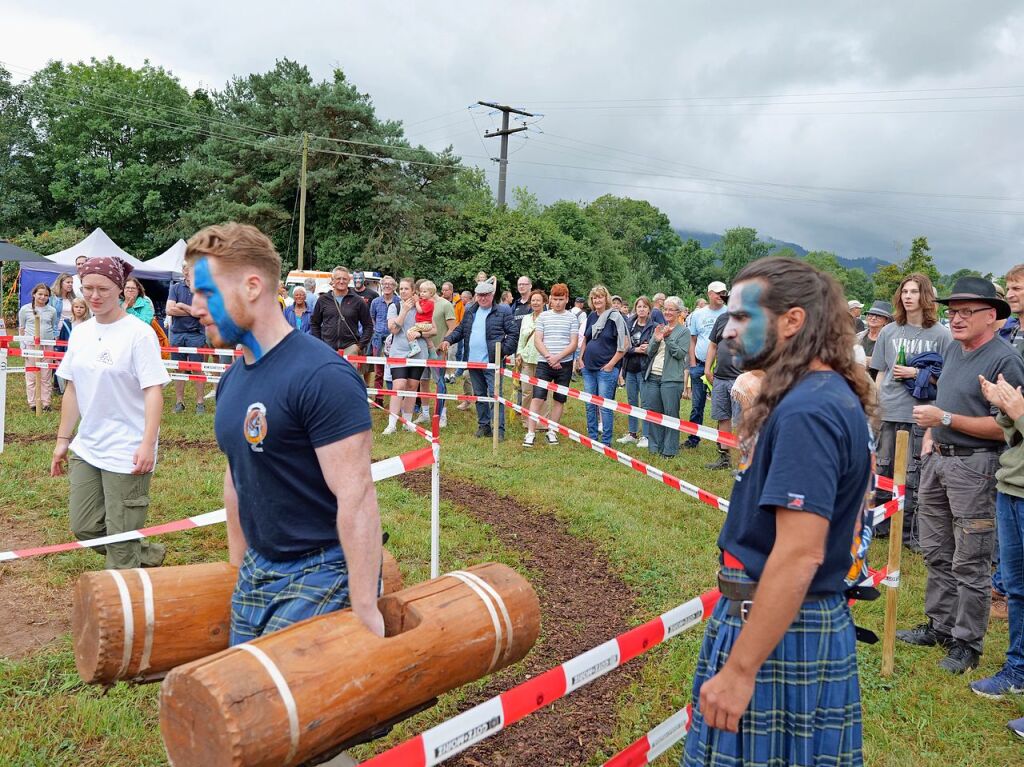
(411,373)
(562,376)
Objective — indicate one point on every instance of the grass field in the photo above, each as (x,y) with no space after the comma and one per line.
(661,542)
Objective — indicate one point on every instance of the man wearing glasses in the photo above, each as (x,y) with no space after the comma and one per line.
(956,497)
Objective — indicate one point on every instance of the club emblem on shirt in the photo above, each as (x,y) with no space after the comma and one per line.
(796,502)
(255,426)
(106,358)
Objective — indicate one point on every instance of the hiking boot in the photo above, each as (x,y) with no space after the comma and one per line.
(924,635)
(723,462)
(179,407)
(997,686)
(1000,610)
(960,658)
(529,438)
(200,408)
(691,445)
(483,431)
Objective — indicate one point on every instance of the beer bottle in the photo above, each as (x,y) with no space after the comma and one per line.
(901,355)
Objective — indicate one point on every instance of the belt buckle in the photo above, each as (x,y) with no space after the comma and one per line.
(745,606)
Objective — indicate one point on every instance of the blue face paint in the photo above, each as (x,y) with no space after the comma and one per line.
(752,336)
(228,329)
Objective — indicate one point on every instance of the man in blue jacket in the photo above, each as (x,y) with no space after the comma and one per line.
(483,325)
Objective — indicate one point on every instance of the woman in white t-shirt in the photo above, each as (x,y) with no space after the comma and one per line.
(114,383)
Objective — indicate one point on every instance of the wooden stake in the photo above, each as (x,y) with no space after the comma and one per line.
(497,383)
(39,370)
(895,550)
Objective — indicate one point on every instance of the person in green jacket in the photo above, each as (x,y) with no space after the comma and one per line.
(667,353)
(136,303)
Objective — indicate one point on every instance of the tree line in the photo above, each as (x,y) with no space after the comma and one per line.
(133,151)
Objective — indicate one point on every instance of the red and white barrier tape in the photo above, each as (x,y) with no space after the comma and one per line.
(492,716)
(409,425)
(383,469)
(609,452)
(409,363)
(704,432)
(197,378)
(656,742)
(428,395)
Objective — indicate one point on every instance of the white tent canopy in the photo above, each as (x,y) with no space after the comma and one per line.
(96,245)
(171,260)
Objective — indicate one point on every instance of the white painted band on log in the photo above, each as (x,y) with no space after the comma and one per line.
(501,606)
(498,633)
(129,620)
(284,691)
(149,611)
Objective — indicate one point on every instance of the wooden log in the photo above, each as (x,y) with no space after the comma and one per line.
(139,624)
(292,695)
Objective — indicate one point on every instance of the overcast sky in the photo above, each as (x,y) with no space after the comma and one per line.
(728,114)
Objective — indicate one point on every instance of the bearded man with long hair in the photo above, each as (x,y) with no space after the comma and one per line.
(776,681)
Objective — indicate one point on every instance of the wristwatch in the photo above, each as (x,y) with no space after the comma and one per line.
(947,419)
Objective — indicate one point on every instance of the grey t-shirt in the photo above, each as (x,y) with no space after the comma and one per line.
(400,344)
(894,401)
(960,392)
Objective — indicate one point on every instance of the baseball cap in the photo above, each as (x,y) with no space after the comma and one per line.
(854,304)
(487,286)
(580,300)
(717,287)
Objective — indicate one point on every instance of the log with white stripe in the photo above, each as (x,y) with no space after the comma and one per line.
(385,469)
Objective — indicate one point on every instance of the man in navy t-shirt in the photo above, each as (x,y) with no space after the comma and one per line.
(293,420)
(776,680)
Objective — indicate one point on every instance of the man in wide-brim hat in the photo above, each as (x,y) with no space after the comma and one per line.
(877,317)
(960,456)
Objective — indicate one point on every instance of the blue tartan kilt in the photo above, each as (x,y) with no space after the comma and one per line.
(806,708)
(270,596)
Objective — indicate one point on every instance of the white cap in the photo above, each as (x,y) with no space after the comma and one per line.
(855,304)
(486,286)
(717,287)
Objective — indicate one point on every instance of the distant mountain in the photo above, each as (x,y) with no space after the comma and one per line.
(869,264)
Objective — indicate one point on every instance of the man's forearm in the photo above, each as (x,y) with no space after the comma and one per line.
(982,427)
(360,532)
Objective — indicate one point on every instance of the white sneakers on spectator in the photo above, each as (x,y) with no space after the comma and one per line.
(552,437)
(529,438)
(443,420)
(626,438)
(642,442)
(424,417)
(389,430)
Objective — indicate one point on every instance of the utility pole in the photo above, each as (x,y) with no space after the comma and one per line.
(504,133)
(302,198)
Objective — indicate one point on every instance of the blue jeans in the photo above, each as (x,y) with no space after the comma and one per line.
(1010,519)
(663,397)
(602,384)
(483,386)
(440,386)
(699,396)
(634,386)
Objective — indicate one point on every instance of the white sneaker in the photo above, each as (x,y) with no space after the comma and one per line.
(389,430)
(529,438)
(626,438)
(423,418)
(443,420)
(409,427)
(642,442)
(552,437)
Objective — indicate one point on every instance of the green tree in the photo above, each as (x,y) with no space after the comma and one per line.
(738,247)
(857,284)
(920,260)
(886,281)
(24,197)
(113,149)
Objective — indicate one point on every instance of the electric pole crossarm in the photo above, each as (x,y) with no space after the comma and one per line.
(503,134)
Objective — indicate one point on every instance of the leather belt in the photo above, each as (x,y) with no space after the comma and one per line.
(740,595)
(949,450)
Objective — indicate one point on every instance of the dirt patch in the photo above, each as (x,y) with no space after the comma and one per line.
(583,603)
(34,613)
